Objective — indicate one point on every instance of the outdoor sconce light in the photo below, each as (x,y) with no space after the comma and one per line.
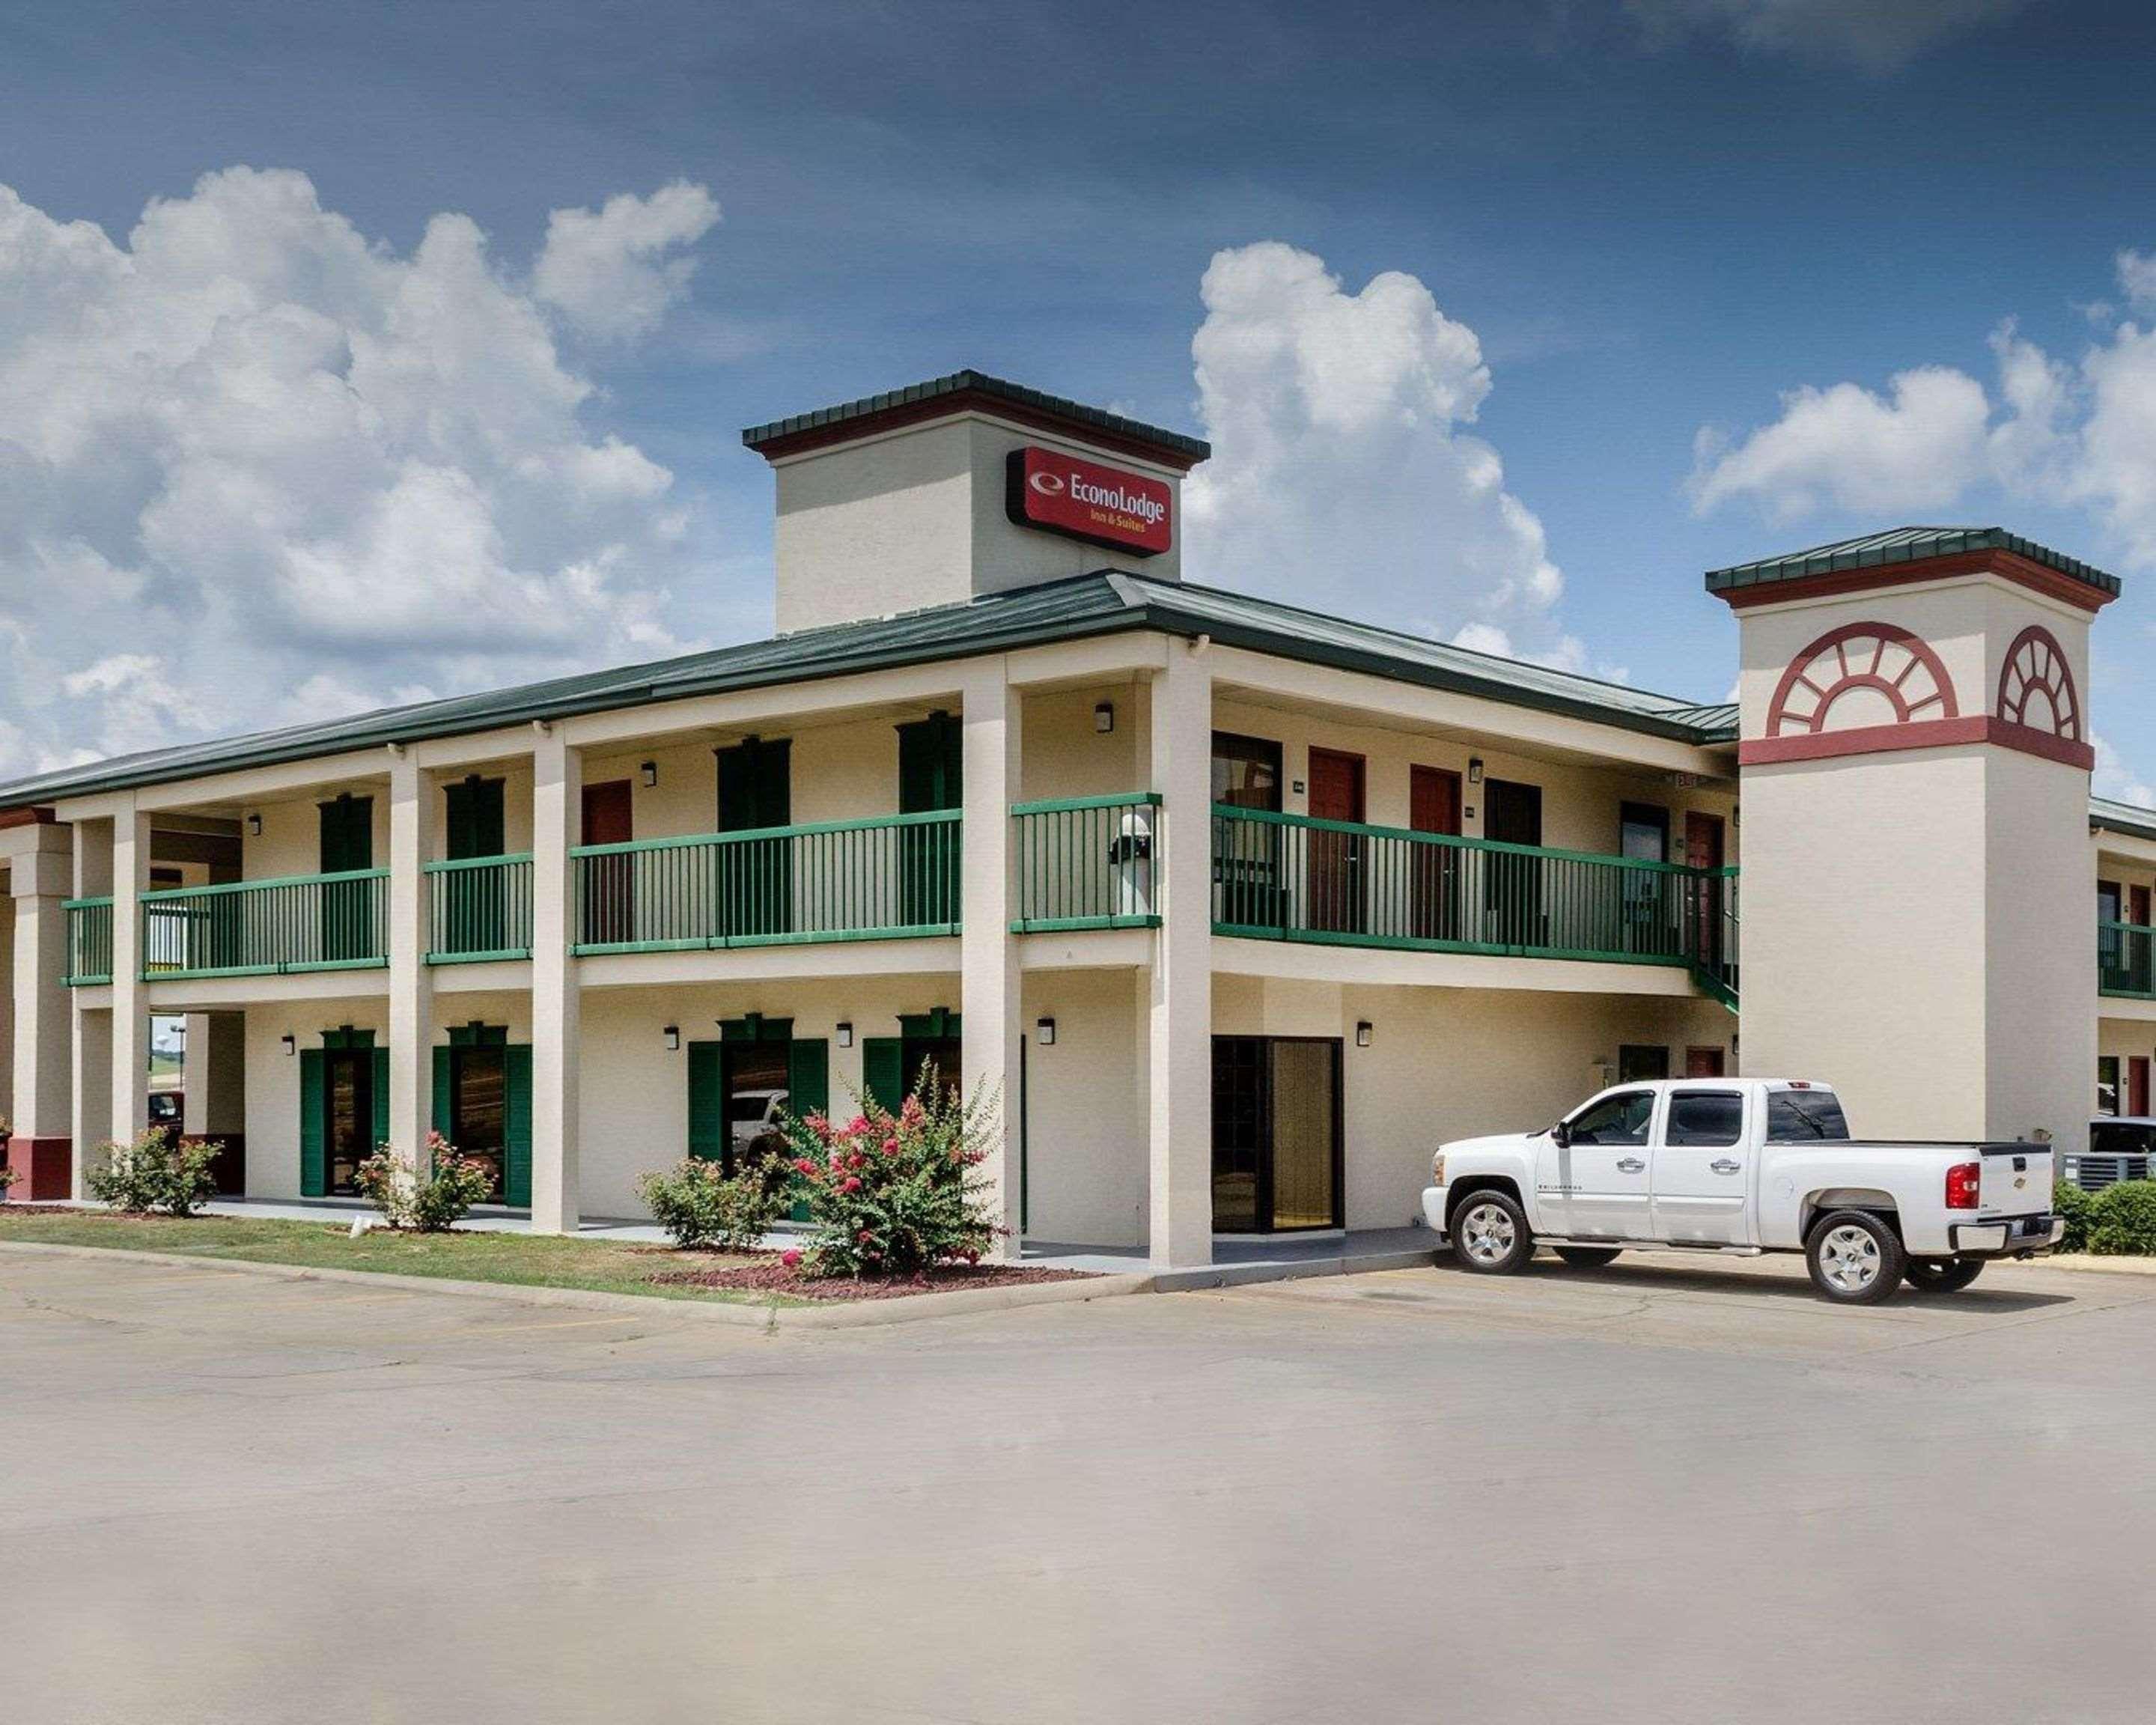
(649,769)
(1104,718)
(1474,770)
(1362,1033)
(254,826)
(845,1033)
(1044,1033)
(289,1043)
(673,1034)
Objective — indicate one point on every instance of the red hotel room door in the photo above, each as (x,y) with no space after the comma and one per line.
(2137,1084)
(609,908)
(1334,878)
(1434,902)
(1703,849)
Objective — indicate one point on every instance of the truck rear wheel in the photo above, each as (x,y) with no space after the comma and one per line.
(1855,1258)
(1943,1275)
(1490,1234)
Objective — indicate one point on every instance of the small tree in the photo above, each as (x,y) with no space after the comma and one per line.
(154,1171)
(700,1205)
(389,1180)
(897,1194)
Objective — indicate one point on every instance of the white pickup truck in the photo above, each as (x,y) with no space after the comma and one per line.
(1742,1166)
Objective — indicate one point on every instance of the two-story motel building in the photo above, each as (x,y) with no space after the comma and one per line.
(1241,907)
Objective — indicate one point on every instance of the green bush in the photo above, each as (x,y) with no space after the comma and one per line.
(2122,1220)
(701,1206)
(2076,1206)
(155,1172)
(389,1181)
(897,1194)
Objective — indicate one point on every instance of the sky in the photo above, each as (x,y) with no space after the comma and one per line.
(351,354)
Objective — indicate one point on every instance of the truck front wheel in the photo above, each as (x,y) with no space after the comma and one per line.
(1490,1234)
(1943,1275)
(1856,1259)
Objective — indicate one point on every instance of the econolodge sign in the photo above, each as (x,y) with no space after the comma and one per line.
(1083,500)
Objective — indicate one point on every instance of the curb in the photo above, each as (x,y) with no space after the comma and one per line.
(1236,1276)
(864,1314)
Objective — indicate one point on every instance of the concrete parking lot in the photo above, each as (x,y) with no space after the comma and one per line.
(1654,1492)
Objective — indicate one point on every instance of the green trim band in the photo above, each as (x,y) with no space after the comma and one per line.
(1072,805)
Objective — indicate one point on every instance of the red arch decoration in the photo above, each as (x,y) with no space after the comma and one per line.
(1881,657)
(2037,682)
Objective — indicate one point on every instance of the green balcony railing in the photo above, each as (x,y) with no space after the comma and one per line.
(841,881)
(2126,960)
(1086,862)
(267,927)
(89,941)
(1711,920)
(479,908)
(1290,877)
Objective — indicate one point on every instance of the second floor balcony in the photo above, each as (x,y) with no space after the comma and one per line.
(2126,959)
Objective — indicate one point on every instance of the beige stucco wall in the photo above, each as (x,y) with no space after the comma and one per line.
(916,517)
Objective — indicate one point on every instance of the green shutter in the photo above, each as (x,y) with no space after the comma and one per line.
(516,1176)
(883,1071)
(931,764)
(313,1156)
(707,1102)
(808,1091)
(444,1101)
(382,1102)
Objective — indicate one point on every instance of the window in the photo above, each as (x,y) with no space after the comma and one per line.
(1246,772)
(1638,1064)
(2106,1085)
(1803,1116)
(1705,1117)
(1615,1120)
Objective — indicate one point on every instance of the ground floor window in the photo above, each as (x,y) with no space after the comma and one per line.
(2106,1084)
(349,1128)
(344,1110)
(1277,1144)
(1639,1063)
(483,1106)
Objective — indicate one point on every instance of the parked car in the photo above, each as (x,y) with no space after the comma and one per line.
(755,1129)
(2121,1147)
(1743,1167)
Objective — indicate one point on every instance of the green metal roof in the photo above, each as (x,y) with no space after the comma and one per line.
(1108,601)
(972,383)
(1901,544)
(2129,817)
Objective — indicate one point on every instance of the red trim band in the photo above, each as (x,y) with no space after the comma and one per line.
(1923,734)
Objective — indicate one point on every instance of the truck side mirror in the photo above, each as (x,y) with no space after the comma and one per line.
(1561,1135)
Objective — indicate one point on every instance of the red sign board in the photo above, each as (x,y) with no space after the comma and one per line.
(1083,500)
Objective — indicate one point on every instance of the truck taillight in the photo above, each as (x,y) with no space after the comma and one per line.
(1964,1181)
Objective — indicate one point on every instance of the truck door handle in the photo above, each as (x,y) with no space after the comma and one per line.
(1631,1165)
(1723,1165)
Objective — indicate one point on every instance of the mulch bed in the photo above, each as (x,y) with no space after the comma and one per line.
(26,1209)
(775,1278)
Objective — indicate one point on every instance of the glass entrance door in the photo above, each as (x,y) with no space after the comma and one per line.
(348,1125)
(1277,1134)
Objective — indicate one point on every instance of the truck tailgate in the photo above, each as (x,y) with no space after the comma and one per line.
(2016,1180)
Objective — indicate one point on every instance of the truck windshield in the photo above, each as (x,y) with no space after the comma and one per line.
(1801,1116)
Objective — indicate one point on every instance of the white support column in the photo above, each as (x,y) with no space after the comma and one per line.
(1180,1079)
(991,1001)
(557,777)
(40,878)
(411,982)
(130,1074)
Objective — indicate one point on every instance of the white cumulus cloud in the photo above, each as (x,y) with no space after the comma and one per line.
(1343,472)
(614,271)
(1877,36)
(256,467)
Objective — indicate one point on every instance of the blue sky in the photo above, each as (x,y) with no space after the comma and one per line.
(1625,224)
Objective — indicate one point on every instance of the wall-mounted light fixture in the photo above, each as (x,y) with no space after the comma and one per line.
(649,769)
(1474,770)
(289,1043)
(673,1034)
(1104,718)
(254,826)
(845,1033)
(1044,1033)
(1362,1032)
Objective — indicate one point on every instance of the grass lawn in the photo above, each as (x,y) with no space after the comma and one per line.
(541,1260)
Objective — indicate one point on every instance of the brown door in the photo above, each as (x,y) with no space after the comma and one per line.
(1703,850)
(2137,1084)
(1702,1063)
(609,907)
(1334,874)
(1433,891)
(1511,882)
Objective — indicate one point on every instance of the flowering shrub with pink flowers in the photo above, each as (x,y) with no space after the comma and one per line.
(896,1195)
(389,1181)
(701,1206)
